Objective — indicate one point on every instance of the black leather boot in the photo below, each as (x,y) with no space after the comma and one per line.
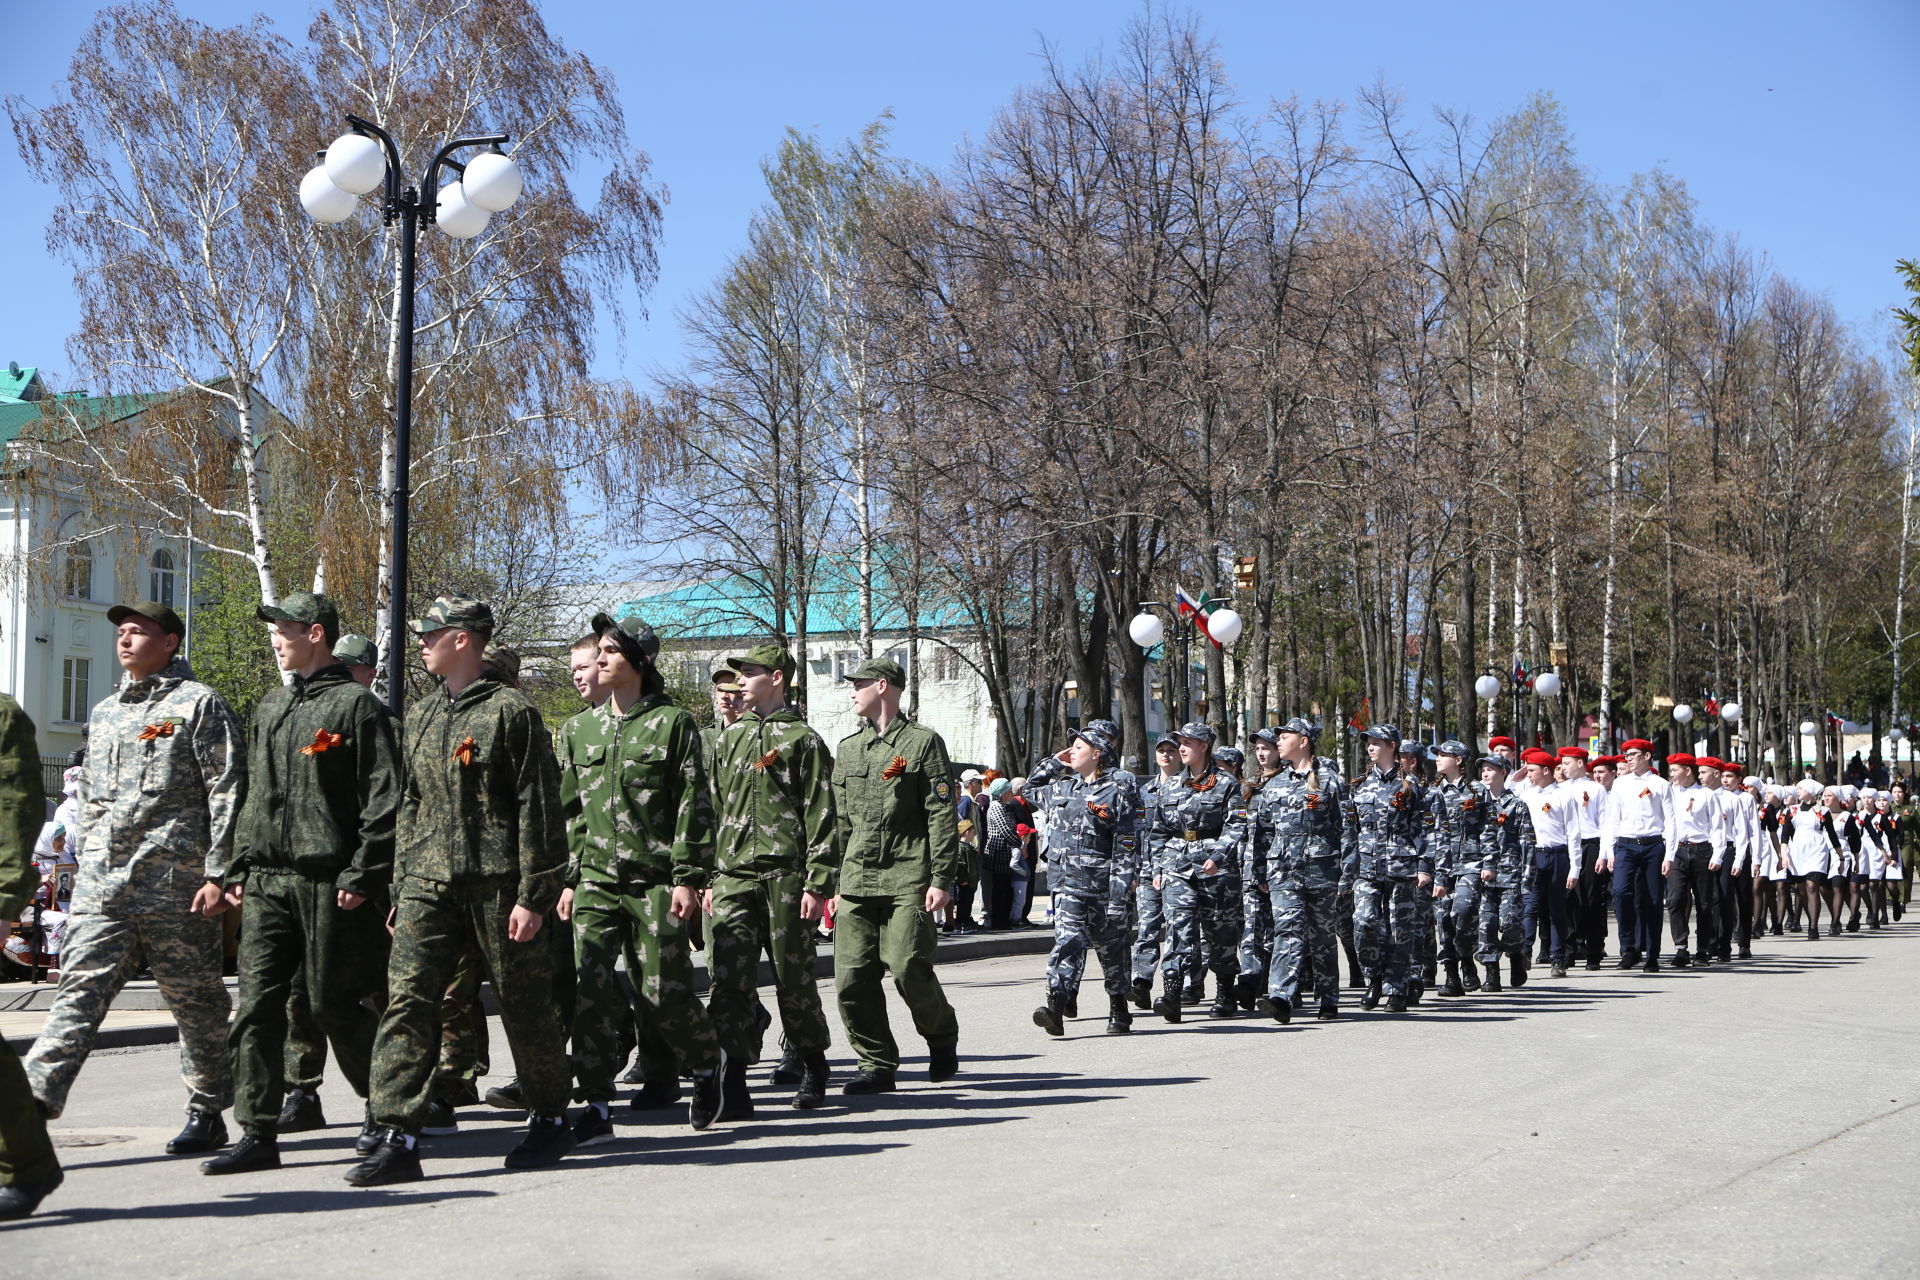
(1119,1017)
(1047,1016)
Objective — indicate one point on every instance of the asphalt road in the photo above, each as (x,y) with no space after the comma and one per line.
(1762,1120)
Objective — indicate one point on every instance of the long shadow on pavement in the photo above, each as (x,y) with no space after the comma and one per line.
(244,1204)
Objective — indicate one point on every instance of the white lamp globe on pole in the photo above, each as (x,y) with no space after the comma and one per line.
(1224,625)
(1731,713)
(1547,685)
(356,163)
(1682,713)
(492,181)
(458,216)
(1487,688)
(323,201)
(1147,629)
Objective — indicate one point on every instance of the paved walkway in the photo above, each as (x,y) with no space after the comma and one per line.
(1758,1120)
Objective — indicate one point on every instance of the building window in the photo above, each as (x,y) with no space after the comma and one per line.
(79,571)
(161,580)
(844,662)
(74,703)
(947,666)
(900,656)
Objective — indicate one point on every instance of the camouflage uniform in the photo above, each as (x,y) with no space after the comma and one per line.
(775,840)
(480,831)
(1256,906)
(639,825)
(26,1155)
(1507,844)
(1459,812)
(165,775)
(1093,859)
(1386,810)
(1301,849)
(1197,820)
(318,821)
(1149,904)
(893,805)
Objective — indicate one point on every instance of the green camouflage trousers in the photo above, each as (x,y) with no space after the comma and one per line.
(605,922)
(464,1055)
(99,957)
(894,935)
(26,1155)
(305,1063)
(434,924)
(293,935)
(750,913)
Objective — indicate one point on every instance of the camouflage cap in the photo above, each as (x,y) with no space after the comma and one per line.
(302,606)
(355,651)
(1267,733)
(1233,757)
(1199,729)
(504,661)
(1453,747)
(1383,733)
(1095,734)
(152,611)
(461,613)
(727,680)
(1105,726)
(880,669)
(633,627)
(770,654)
(1302,726)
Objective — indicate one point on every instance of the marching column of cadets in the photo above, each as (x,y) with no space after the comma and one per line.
(486,847)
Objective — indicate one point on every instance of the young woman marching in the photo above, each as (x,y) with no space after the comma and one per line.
(1810,848)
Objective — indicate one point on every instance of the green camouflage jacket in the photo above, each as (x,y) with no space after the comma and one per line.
(893,802)
(772,787)
(22,803)
(166,773)
(635,790)
(482,794)
(323,781)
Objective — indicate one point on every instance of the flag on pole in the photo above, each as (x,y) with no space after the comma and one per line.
(1194,610)
(1363,716)
(1521,676)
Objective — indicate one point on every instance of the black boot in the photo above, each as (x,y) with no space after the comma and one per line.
(1047,1016)
(1371,1000)
(868,1080)
(943,1061)
(254,1152)
(1246,990)
(1452,987)
(1119,1016)
(204,1131)
(789,1068)
(300,1113)
(1196,990)
(19,1199)
(1492,984)
(813,1081)
(704,1107)
(393,1161)
(1070,1004)
(1168,1005)
(1142,993)
(1469,976)
(1224,1004)
(1519,967)
(736,1100)
(1397,1003)
(1279,1008)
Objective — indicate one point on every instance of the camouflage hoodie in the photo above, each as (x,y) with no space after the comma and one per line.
(635,791)
(323,783)
(166,772)
(482,795)
(773,788)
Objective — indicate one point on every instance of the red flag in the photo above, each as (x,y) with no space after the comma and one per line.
(1361,718)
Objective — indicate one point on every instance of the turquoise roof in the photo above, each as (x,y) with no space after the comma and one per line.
(739,604)
(14,386)
(18,416)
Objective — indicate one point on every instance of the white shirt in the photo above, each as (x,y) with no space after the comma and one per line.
(1640,807)
(1556,814)
(1696,817)
(1593,806)
(1743,825)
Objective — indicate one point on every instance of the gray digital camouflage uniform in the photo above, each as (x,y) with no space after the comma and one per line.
(1197,820)
(1385,808)
(165,775)
(1459,815)
(1093,859)
(1300,839)
(1507,841)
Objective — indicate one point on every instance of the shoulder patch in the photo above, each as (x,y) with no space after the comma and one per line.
(944,790)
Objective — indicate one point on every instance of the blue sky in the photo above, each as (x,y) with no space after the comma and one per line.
(1793,124)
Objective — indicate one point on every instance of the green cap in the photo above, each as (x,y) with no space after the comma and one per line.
(504,661)
(356,651)
(152,611)
(463,612)
(770,654)
(633,627)
(880,669)
(302,606)
(727,680)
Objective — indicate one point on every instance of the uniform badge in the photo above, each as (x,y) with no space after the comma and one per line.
(943,790)
(894,769)
(323,740)
(464,752)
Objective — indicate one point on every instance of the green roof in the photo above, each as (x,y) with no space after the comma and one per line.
(17,417)
(739,604)
(15,382)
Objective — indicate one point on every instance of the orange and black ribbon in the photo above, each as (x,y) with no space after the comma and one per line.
(767,761)
(162,730)
(464,752)
(1100,811)
(1205,784)
(895,769)
(323,740)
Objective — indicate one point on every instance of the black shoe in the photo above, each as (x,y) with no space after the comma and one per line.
(369,1136)
(1224,1006)
(300,1113)
(1371,1000)
(704,1107)
(1593,965)
(439,1121)
(1492,984)
(1071,1007)
(463,1094)
(1746,953)
(19,1199)
(1681,959)
(1396,1003)
(1453,986)
(1047,1016)
(1142,994)
(813,1081)
(1416,988)
(507,1097)
(736,1100)
(1853,925)
(868,1080)
(1776,931)
(1517,969)
(1652,965)
(1327,1013)
(392,1161)
(655,1095)
(254,1152)
(789,1069)
(1628,960)
(592,1127)
(1470,976)
(1813,933)
(1167,1006)
(548,1139)
(1246,991)
(204,1131)
(1119,1016)
(1704,960)
(1276,1007)
(635,1074)
(1542,958)
(943,1062)
(1195,992)
(1559,969)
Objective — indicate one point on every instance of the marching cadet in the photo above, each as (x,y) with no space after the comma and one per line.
(1555,809)
(893,803)
(776,856)
(1587,892)
(1412,759)
(1392,871)
(1459,808)
(165,775)
(29,1170)
(313,858)
(640,854)
(1301,848)
(729,699)
(1194,844)
(1636,834)
(1690,885)
(1149,904)
(1507,840)
(480,849)
(1093,815)
(1256,905)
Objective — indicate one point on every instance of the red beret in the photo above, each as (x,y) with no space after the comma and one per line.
(1610,761)
(1502,741)
(1574,753)
(1636,744)
(1681,757)
(1708,762)
(1534,755)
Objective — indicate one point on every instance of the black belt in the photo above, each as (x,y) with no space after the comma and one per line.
(1697,844)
